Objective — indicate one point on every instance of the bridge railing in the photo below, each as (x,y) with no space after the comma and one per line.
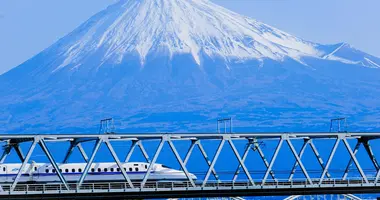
(164,186)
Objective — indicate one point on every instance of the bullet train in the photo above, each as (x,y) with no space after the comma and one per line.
(98,172)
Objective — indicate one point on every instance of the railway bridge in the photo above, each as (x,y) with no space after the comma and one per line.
(260,164)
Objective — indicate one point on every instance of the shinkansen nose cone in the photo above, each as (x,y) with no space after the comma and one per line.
(193,176)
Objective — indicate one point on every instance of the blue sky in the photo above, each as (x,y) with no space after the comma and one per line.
(28,27)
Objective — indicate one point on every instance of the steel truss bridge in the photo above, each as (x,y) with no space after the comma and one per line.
(256,182)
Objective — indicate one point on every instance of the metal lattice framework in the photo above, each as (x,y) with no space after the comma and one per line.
(269,181)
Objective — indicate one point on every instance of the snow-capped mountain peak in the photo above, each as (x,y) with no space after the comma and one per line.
(179,26)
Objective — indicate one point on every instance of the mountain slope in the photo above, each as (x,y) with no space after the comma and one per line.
(166,64)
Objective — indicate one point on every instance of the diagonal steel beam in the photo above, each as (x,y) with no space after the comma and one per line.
(377,176)
(6,152)
(181,162)
(241,163)
(19,152)
(299,161)
(203,152)
(189,151)
(53,163)
(74,144)
(68,153)
(261,154)
(302,151)
(320,160)
(131,150)
(158,151)
(245,154)
(31,149)
(82,152)
(351,197)
(355,160)
(293,197)
(146,156)
(337,141)
(216,156)
(274,157)
(371,155)
(116,158)
(90,161)
(349,165)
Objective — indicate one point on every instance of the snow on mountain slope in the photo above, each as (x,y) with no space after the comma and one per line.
(185,26)
(348,54)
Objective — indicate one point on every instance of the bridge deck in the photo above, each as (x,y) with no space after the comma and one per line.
(111,190)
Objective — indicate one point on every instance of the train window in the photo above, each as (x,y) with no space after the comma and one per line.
(118,169)
(92,170)
(135,164)
(130,169)
(99,170)
(53,170)
(47,170)
(79,170)
(146,166)
(72,170)
(60,170)
(137,169)
(66,170)
(105,169)
(35,168)
(125,169)
(111,169)
(3,169)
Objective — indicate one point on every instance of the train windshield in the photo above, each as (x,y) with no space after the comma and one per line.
(164,166)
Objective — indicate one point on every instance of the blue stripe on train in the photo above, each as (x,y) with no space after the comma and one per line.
(75,173)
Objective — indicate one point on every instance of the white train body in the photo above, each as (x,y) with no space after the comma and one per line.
(43,172)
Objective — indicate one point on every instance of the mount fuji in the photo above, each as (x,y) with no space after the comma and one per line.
(178,65)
